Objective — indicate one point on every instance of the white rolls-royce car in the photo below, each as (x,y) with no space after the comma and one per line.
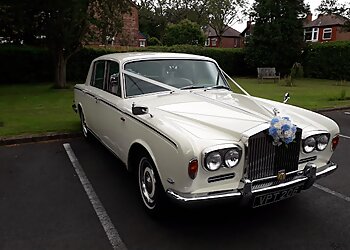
(174,121)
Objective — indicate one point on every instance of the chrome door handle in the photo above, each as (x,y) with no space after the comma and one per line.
(84,91)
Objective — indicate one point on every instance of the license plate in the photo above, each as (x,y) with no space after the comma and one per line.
(265,199)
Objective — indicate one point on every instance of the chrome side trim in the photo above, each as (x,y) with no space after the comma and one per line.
(221,177)
(312,158)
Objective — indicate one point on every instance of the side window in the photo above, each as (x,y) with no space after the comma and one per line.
(99,74)
(113,79)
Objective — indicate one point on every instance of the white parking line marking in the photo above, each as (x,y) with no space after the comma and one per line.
(327,190)
(106,222)
(344,136)
(347,113)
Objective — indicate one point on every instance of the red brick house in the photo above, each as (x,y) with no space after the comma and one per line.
(247,32)
(231,38)
(130,34)
(325,28)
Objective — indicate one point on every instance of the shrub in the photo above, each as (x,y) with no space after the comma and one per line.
(327,60)
(154,41)
(24,64)
(184,32)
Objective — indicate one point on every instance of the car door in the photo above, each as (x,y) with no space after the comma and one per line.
(110,109)
(93,96)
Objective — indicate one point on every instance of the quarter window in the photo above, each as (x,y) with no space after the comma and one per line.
(99,74)
(113,79)
(327,34)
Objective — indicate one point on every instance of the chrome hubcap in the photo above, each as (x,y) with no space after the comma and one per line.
(83,125)
(147,183)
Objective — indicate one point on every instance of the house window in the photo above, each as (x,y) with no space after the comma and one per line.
(327,34)
(311,34)
(207,42)
(213,42)
(142,43)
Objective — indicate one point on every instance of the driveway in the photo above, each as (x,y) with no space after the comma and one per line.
(46,202)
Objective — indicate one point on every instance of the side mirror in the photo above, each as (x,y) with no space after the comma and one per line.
(286,98)
(139,110)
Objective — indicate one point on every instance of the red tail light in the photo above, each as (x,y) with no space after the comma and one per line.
(193,169)
(335,142)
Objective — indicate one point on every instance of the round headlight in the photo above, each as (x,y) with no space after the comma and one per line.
(309,145)
(213,161)
(322,142)
(232,158)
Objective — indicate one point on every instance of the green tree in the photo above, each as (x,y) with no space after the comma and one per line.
(278,35)
(153,41)
(154,15)
(65,23)
(224,12)
(106,28)
(152,19)
(334,7)
(185,32)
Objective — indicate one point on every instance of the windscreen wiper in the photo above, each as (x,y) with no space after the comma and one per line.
(193,87)
(218,87)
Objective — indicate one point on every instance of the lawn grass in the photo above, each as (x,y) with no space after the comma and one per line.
(314,94)
(36,108)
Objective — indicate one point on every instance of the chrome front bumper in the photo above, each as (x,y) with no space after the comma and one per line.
(306,178)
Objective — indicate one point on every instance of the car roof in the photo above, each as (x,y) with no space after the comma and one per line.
(132,56)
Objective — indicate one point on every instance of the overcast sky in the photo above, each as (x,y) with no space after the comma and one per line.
(313,5)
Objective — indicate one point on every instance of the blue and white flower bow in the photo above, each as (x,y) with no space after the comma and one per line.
(282,130)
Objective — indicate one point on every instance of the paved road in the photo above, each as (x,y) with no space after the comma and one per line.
(43,205)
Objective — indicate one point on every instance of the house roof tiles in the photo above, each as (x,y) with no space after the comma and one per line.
(326,20)
(229,32)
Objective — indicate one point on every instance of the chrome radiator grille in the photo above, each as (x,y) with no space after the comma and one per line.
(265,159)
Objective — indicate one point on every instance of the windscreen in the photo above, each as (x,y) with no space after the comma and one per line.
(181,74)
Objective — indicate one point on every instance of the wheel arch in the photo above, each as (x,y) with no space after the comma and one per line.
(80,108)
(137,148)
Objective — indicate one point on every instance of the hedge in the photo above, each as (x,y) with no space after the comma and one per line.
(327,60)
(27,64)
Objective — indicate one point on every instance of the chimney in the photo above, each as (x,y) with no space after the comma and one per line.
(309,17)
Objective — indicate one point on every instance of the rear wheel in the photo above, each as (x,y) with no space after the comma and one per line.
(84,128)
(150,186)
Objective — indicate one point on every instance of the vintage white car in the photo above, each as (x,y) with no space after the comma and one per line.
(174,120)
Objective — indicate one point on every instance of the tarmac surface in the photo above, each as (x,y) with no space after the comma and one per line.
(43,205)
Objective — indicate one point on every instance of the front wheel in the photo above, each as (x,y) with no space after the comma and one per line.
(150,185)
